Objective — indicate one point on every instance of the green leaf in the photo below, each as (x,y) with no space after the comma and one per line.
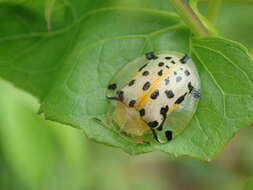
(26,143)
(226,104)
(249,184)
(226,74)
(69,67)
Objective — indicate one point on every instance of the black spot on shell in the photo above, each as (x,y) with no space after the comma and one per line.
(154,94)
(179,78)
(180,99)
(169,135)
(120,95)
(159,128)
(150,55)
(184,59)
(187,73)
(142,112)
(167,81)
(160,64)
(164,110)
(190,87)
(169,93)
(160,73)
(132,103)
(145,73)
(153,124)
(175,73)
(146,86)
(168,58)
(167,67)
(112,86)
(131,83)
(173,62)
(140,69)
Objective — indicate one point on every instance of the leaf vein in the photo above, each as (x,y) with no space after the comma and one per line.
(83,17)
(229,60)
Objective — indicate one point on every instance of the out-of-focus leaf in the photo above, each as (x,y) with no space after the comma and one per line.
(26,143)
(235,22)
(249,184)
(73,145)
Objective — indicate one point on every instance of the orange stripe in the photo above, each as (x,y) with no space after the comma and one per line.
(143,99)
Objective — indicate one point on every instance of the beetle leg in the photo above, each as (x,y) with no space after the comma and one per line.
(112,98)
(155,135)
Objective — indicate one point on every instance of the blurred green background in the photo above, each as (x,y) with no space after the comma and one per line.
(40,155)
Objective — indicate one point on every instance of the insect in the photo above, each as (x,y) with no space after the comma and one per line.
(154,97)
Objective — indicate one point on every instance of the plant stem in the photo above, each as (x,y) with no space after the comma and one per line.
(213,9)
(189,17)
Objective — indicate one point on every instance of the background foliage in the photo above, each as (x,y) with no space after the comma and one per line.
(52,50)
